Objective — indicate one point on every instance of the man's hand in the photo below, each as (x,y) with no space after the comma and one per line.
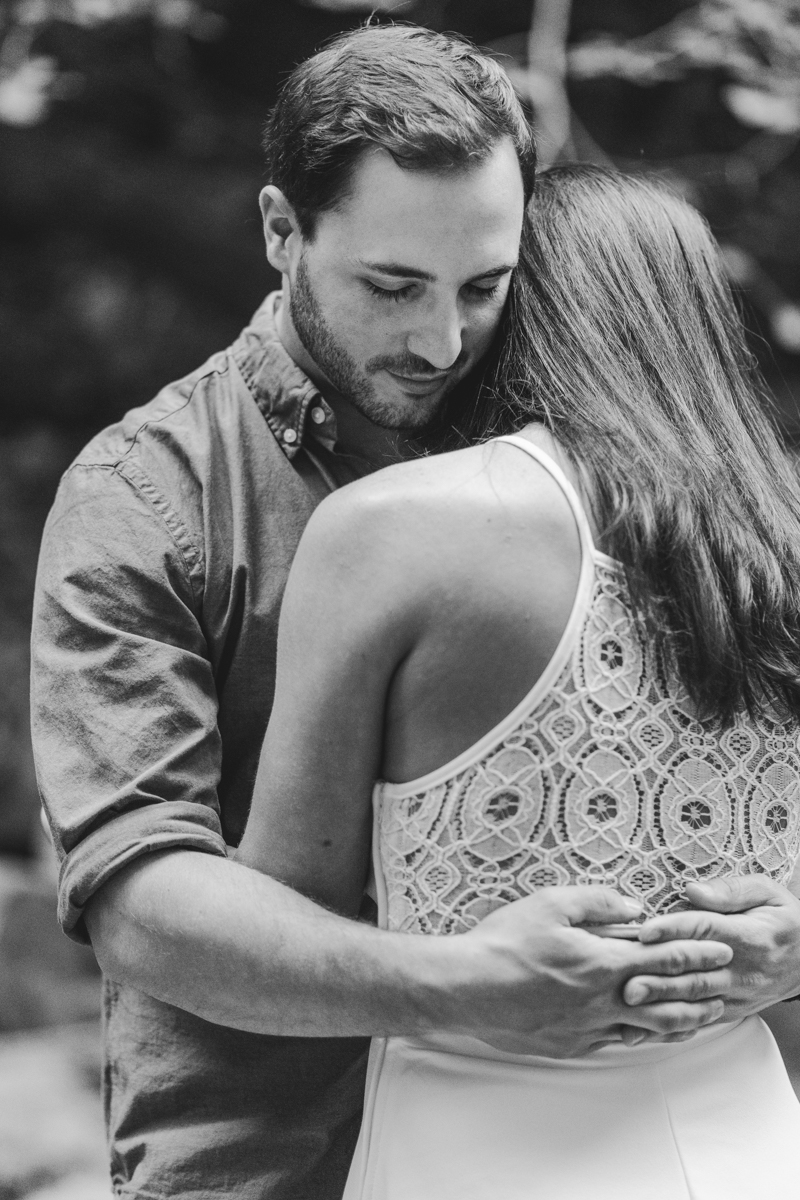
(540,984)
(757,918)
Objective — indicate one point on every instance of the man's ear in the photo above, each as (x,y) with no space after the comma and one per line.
(280,224)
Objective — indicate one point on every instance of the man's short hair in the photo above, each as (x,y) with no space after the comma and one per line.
(433,101)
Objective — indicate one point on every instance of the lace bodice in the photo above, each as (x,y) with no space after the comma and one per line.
(601,775)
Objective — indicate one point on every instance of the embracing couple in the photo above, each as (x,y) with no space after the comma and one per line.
(535,687)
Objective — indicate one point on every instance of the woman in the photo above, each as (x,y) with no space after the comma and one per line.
(545,712)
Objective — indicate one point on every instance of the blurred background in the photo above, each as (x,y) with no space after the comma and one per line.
(130,250)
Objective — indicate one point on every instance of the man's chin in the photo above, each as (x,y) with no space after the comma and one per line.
(403,413)
(406,420)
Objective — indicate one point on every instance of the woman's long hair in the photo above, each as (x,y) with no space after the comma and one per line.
(623,339)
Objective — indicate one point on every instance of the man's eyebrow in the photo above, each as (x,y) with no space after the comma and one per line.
(397,269)
(400,271)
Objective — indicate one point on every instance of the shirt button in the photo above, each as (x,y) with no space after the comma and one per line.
(317,415)
(289,435)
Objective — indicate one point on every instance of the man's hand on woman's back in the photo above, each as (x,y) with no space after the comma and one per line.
(757,918)
(541,984)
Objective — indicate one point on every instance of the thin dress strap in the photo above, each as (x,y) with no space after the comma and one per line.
(573,499)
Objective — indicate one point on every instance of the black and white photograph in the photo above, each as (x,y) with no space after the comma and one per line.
(400,600)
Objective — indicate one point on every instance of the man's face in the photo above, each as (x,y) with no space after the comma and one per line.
(399,293)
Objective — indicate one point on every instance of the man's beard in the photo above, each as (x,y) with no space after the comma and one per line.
(343,372)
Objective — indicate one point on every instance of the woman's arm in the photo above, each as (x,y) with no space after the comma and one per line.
(347,621)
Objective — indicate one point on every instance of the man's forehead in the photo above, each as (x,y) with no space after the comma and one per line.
(379,188)
(406,220)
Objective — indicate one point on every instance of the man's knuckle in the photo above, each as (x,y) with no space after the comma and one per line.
(694,988)
(712,957)
(711,1012)
(671,1021)
(676,960)
(662,989)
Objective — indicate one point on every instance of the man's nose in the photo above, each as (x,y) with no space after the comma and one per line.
(439,337)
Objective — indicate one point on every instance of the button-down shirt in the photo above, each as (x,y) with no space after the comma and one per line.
(161,574)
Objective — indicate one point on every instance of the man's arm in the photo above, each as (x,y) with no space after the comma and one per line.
(238,948)
(123,698)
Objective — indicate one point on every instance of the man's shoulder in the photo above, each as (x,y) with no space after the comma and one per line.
(181,417)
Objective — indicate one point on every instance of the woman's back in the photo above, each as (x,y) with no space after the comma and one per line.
(598,773)
(449,585)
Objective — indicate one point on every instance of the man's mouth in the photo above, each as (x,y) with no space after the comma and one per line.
(420,385)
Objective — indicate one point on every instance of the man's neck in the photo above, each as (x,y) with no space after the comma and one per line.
(355,434)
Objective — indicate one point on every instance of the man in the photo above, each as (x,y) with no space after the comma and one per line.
(400,164)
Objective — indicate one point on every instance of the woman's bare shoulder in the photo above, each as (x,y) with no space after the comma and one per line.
(409,511)
(490,475)
(393,501)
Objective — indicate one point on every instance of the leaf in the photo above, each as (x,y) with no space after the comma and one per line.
(764,110)
(24,91)
(785,325)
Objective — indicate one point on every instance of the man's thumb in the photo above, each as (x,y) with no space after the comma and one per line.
(597,905)
(734,893)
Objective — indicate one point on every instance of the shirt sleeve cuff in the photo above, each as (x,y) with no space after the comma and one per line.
(177,824)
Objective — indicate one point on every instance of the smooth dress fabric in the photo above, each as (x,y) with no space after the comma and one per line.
(600,775)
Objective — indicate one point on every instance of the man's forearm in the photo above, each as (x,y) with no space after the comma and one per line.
(240,949)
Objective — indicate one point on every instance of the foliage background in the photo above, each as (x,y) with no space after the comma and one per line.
(130,244)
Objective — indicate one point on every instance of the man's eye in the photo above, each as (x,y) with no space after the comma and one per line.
(388,293)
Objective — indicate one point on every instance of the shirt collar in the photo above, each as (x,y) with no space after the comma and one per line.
(291,404)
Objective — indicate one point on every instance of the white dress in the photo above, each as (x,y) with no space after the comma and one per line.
(600,775)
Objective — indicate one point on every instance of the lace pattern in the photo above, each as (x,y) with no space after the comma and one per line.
(608,779)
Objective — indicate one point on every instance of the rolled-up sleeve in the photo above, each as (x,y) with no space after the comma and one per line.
(124,706)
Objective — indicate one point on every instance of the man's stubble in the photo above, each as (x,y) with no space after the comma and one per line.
(342,371)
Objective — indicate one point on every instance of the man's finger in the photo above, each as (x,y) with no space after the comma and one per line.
(591,904)
(682,926)
(684,956)
(701,985)
(633,1036)
(734,893)
(677,1016)
(613,1036)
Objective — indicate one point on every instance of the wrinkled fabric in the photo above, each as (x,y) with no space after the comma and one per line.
(161,573)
